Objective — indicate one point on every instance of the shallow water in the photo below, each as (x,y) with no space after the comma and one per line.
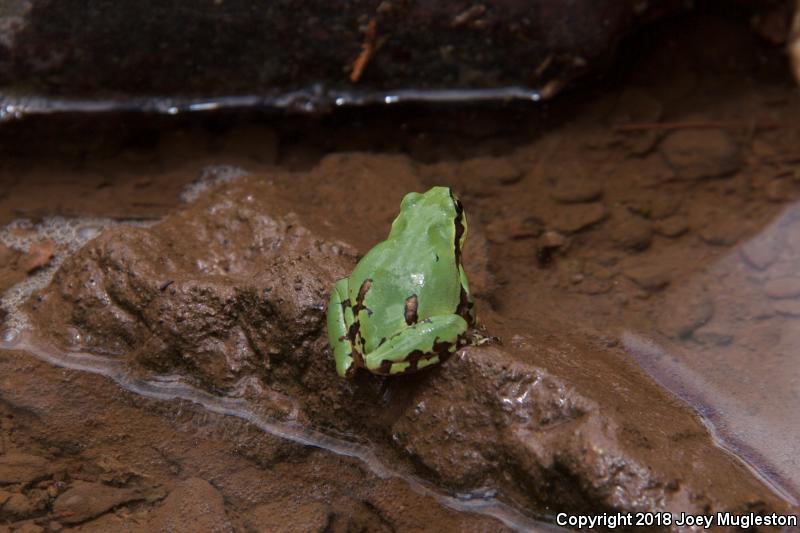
(740,370)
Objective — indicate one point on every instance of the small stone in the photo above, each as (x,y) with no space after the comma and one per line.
(654,207)
(629,231)
(18,506)
(576,189)
(84,501)
(685,311)
(761,251)
(23,468)
(712,337)
(39,255)
(789,308)
(782,288)
(779,190)
(29,527)
(552,239)
(650,276)
(721,231)
(577,217)
(671,227)
(699,154)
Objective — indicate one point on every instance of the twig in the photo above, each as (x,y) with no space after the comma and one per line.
(367,50)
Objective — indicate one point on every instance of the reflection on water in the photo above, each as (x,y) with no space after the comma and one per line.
(313,99)
(738,362)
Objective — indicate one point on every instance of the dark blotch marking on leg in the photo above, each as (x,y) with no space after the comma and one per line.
(442,349)
(411,309)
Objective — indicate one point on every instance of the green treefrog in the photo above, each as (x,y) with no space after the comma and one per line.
(407,303)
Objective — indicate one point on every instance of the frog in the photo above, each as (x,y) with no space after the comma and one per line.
(407,303)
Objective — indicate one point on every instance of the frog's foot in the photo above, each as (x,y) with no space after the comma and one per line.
(425,343)
(339,312)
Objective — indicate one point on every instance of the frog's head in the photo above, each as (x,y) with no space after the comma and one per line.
(437,211)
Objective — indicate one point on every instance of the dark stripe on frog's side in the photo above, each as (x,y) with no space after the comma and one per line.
(410,312)
(354,332)
(362,293)
(459,225)
(464,304)
(464,308)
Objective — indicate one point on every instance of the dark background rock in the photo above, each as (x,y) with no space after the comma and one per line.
(153,48)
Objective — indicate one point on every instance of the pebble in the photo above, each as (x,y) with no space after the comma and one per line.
(629,231)
(721,231)
(779,190)
(700,154)
(671,227)
(39,255)
(576,187)
(29,527)
(712,337)
(18,505)
(787,307)
(552,239)
(84,501)
(290,517)
(782,288)
(760,252)
(650,276)
(573,218)
(684,312)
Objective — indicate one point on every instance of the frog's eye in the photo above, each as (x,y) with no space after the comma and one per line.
(410,200)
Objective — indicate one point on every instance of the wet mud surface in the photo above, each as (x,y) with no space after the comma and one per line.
(641,282)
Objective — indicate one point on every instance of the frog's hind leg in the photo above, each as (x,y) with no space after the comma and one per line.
(419,345)
(340,316)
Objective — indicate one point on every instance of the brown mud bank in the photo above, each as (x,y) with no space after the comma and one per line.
(223,410)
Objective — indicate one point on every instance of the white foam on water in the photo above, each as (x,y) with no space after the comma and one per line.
(68,234)
(209,178)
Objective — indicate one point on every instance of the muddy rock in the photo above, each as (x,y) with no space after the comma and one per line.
(699,154)
(23,468)
(218,313)
(231,290)
(84,501)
